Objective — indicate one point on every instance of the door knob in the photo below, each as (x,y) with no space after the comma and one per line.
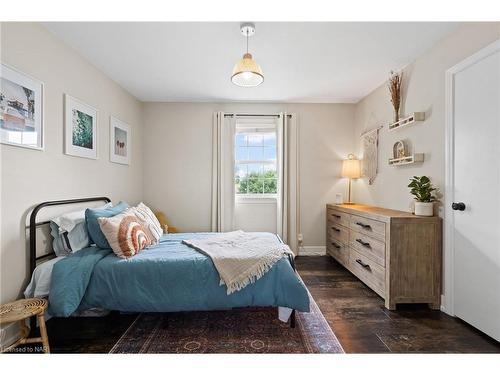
(458,206)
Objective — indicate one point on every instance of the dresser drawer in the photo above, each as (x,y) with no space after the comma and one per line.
(338,232)
(396,254)
(368,271)
(337,217)
(339,251)
(368,246)
(369,227)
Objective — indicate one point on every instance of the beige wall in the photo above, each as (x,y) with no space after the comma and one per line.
(178,139)
(28,176)
(424,91)
(256,216)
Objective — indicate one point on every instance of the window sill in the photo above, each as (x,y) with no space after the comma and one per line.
(256,199)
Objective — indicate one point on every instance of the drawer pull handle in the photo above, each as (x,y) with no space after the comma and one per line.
(359,261)
(364,226)
(337,246)
(337,216)
(365,244)
(336,229)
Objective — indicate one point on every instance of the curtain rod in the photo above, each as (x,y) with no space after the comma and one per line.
(251,115)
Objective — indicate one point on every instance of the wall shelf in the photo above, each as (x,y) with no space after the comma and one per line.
(410,159)
(414,117)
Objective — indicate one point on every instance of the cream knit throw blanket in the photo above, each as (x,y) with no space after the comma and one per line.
(240,258)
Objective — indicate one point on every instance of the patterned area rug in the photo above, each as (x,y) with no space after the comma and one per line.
(232,331)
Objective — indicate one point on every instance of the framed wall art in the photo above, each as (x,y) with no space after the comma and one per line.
(120,141)
(21,109)
(80,128)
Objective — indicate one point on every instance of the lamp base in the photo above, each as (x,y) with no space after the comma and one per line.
(348,203)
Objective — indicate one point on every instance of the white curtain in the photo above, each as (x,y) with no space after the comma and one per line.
(288,225)
(223,173)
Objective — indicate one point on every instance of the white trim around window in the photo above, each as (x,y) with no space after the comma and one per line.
(257,128)
(256,198)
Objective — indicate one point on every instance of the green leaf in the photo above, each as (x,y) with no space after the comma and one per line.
(421,188)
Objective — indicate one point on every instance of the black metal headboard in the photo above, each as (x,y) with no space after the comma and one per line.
(34,224)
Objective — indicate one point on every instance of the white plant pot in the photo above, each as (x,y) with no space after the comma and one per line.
(424,208)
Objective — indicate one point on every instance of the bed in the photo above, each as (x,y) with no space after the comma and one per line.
(167,277)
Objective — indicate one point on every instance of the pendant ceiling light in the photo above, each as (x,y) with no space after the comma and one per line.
(246,72)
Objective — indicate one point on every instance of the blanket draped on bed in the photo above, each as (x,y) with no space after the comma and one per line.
(240,258)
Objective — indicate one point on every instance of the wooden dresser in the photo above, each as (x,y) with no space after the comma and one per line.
(395,253)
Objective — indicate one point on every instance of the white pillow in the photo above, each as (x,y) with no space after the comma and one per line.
(67,222)
(69,232)
(149,220)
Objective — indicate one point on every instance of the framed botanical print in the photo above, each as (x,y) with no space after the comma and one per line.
(120,141)
(21,109)
(80,128)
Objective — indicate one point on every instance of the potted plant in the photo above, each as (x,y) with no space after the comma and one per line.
(423,191)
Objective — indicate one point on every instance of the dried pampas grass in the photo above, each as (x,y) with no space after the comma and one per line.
(395,80)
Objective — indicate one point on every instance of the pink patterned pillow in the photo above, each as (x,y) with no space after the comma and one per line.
(125,234)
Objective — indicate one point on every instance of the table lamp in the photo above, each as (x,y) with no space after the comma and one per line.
(351,169)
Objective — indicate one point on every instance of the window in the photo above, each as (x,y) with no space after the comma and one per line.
(255,160)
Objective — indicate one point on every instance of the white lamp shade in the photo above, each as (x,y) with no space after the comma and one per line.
(247,73)
(351,168)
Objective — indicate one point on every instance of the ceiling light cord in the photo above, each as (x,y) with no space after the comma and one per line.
(247,41)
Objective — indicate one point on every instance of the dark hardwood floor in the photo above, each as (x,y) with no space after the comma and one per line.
(355,313)
(362,324)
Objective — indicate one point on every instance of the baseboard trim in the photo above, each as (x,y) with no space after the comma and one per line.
(444,307)
(312,250)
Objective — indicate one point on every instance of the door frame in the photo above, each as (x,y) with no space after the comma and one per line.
(449,223)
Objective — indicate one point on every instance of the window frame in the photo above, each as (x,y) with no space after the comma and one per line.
(257,126)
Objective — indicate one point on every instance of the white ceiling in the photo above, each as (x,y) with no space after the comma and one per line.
(302,62)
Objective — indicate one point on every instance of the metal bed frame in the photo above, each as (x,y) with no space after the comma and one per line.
(34,225)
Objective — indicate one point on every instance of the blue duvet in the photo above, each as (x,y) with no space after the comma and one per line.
(166,277)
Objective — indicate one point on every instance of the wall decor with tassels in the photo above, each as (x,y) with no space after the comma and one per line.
(369,165)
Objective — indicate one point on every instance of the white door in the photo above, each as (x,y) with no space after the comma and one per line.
(475,190)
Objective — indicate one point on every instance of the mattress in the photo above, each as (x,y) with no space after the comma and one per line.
(169,276)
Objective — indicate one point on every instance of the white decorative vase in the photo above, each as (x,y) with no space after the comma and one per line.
(424,208)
